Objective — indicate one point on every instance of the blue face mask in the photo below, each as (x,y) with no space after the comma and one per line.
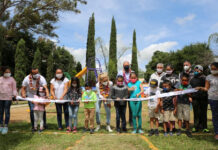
(196,73)
(165,89)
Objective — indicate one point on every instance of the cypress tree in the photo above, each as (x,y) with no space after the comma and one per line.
(50,68)
(37,60)
(90,50)
(134,64)
(78,67)
(112,69)
(20,62)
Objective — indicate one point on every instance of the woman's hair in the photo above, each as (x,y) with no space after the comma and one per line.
(77,82)
(37,92)
(63,74)
(133,73)
(167,82)
(215,64)
(169,65)
(102,76)
(4,68)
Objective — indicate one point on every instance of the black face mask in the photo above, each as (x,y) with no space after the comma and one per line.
(126,68)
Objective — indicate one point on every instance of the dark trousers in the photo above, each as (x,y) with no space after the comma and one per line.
(214,109)
(200,112)
(31,106)
(5,106)
(130,114)
(120,114)
(59,114)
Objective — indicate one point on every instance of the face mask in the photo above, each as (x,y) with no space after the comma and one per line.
(153,89)
(169,72)
(119,83)
(196,74)
(59,76)
(133,80)
(165,89)
(36,76)
(159,70)
(185,83)
(74,85)
(186,68)
(7,75)
(126,68)
(41,94)
(214,72)
(105,83)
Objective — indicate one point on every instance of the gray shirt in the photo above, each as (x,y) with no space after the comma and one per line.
(213,90)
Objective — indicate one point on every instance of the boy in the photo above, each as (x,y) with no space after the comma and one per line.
(153,106)
(183,106)
(89,106)
(168,107)
(120,92)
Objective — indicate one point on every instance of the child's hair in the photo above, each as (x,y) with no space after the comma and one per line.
(169,65)
(77,82)
(87,84)
(167,82)
(120,76)
(38,89)
(102,76)
(215,64)
(185,75)
(133,73)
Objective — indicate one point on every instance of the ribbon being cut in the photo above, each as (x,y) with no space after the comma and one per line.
(175,93)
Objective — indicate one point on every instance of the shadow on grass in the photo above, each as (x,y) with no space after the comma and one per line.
(207,138)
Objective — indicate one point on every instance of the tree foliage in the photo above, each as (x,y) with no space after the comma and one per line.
(37,60)
(134,64)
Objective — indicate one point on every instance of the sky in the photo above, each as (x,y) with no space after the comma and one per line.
(164,25)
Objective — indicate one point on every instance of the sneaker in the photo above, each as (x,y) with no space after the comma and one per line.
(34,130)
(134,132)
(156,132)
(174,130)
(140,131)
(68,130)
(178,132)
(91,131)
(124,130)
(118,130)
(194,130)
(97,128)
(74,130)
(171,133)
(108,128)
(40,130)
(85,130)
(206,131)
(165,134)
(1,128)
(5,130)
(189,134)
(151,132)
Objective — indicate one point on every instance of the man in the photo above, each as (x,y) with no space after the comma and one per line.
(126,76)
(187,70)
(29,87)
(158,74)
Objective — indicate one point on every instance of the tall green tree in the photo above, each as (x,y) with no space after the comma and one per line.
(90,50)
(134,64)
(112,68)
(20,63)
(37,61)
(78,67)
(50,68)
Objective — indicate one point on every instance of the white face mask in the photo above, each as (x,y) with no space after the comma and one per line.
(41,94)
(105,83)
(159,70)
(7,75)
(214,72)
(36,76)
(59,76)
(74,85)
(169,72)
(186,68)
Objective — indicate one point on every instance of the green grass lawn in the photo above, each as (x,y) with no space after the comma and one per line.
(21,138)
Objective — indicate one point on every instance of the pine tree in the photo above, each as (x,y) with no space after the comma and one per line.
(90,50)
(78,67)
(50,68)
(37,60)
(112,70)
(134,64)
(20,62)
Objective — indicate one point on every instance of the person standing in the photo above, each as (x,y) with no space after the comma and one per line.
(187,70)
(29,88)
(59,87)
(8,91)
(158,74)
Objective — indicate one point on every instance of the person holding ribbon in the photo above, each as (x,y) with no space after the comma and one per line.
(58,88)
(187,70)
(103,90)
(29,88)
(8,91)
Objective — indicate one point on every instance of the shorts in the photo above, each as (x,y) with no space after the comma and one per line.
(152,114)
(183,112)
(168,116)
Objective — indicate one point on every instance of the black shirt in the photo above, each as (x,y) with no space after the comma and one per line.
(168,103)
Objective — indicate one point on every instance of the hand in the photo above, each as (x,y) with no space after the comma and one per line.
(198,88)
(72,102)
(24,96)
(138,95)
(61,98)
(156,110)
(118,98)
(190,99)
(109,105)
(132,89)
(175,111)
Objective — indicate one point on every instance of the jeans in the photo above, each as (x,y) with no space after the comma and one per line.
(108,113)
(5,106)
(73,113)
(120,114)
(59,114)
(31,106)
(136,107)
(214,109)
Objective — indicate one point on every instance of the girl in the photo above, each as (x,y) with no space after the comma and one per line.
(136,89)
(74,94)
(39,109)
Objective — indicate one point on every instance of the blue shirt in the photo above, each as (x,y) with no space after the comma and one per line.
(137,89)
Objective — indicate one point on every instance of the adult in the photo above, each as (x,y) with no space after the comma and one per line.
(170,76)
(158,74)
(187,70)
(103,90)
(199,100)
(29,88)
(58,88)
(211,85)
(126,71)
(8,90)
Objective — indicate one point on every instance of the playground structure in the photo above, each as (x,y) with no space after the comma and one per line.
(88,68)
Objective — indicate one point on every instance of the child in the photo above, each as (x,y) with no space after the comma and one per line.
(136,89)
(153,106)
(183,106)
(89,106)
(74,94)
(120,92)
(39,108)
(168,107)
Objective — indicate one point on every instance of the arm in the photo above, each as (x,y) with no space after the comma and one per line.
(23,91)
(65,90)
(98,91)
(52,91)
(175,104)
(206,88)
(158,105)
(142,90)
(14,88)
(46,91)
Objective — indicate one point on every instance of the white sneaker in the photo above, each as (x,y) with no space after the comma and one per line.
(97,128)
(109,128)
(5,130)
(1,128)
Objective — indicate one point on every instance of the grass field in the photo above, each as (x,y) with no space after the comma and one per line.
(21,138)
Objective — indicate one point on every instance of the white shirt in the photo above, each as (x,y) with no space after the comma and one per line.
(152,103)
(157,77)
(98,90)
(59,86)
(26,83)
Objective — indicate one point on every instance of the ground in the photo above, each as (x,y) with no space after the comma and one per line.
(21,138)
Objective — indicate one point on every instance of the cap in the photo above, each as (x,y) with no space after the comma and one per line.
(153,83)
(199,67)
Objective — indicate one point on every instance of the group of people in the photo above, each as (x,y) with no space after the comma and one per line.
(165,111)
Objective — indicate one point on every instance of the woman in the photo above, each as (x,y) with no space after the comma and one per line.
(8,91)
(58,87)
(211,85)
(103,90)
